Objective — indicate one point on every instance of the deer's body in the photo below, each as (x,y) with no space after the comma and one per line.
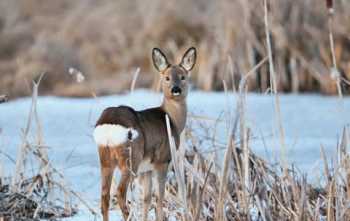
(137,142)
(149,124)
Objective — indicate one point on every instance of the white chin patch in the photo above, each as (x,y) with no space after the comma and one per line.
(113,135)
(176,94)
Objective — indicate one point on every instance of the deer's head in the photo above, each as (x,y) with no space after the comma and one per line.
(174,78)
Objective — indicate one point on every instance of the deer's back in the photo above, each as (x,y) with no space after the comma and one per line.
(122,115)
(151,127)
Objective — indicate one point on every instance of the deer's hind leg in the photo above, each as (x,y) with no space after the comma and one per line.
(128,157)
(122,154)
(121,193)
(107,164)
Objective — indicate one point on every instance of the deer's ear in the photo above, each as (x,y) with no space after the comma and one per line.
(189,59)
(159,60)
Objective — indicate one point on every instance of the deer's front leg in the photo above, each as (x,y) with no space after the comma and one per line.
(146,184)
(161,173)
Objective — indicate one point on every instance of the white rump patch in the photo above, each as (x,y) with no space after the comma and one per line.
(113,134)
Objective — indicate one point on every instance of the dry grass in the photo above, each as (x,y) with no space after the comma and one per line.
(243,188)
(107,40)
(35,191)
(246,187)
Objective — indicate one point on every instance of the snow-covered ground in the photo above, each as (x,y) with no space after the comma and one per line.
(309,122)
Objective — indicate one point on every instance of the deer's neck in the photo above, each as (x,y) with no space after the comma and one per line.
(177,111)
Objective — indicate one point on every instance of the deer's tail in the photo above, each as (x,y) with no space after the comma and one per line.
(113,135)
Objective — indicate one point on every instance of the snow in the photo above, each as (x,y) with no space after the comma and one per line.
(309,121)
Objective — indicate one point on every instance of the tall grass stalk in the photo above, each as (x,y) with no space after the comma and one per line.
(134,79)
(177,161)
(23,150)
(273,84)
(335,74)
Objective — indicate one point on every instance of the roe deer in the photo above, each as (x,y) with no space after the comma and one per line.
(137,142)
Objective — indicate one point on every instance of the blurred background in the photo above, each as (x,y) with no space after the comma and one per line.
(107,40)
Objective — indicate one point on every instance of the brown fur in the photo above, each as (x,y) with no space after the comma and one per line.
(152,142)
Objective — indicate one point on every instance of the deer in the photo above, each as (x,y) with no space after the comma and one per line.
(137,143)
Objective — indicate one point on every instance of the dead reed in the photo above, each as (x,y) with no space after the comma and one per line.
(221,30)
(252,189)
(244,187)
(41,193)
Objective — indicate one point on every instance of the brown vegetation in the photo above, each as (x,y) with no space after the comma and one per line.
(231,39)
(107,40)
(245,187)
(42,193)
(271,192)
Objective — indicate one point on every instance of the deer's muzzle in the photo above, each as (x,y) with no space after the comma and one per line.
(176,91)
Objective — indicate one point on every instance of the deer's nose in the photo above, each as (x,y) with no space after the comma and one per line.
(176,91)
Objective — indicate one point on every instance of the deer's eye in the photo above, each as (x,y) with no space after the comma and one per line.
(167,78)
(183,78)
